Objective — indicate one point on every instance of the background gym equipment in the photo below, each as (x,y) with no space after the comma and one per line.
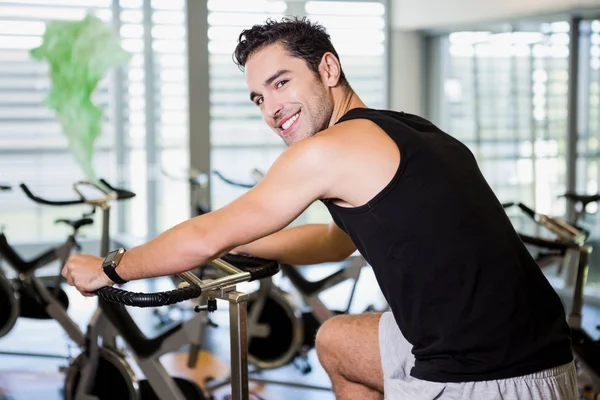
(28,296)
(571,241)
(35,288)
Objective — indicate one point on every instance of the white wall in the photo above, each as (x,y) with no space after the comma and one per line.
(431,14)
(406,72)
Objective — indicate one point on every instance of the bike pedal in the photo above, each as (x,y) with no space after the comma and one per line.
(302,364)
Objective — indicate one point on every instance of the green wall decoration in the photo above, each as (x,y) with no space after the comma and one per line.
(79,54)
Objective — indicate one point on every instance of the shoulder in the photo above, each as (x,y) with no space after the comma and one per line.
(330,143)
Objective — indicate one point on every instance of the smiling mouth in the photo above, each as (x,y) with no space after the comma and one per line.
(288,125)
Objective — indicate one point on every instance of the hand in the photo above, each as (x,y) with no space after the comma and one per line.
(84,271)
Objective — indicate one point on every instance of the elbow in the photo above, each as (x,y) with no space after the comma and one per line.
(206,243)
(342,254)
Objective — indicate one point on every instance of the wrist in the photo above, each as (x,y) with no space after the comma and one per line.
(110,264)
(122,269)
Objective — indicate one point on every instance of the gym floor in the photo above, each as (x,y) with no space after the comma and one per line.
(28,378)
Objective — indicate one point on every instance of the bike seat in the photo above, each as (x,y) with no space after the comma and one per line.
(585,199)
(305,286)
(76,223)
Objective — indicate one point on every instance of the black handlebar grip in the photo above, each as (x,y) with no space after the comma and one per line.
(121,193)
(48,202)
(527,210)
(258,268)
(264,271)
(159,299)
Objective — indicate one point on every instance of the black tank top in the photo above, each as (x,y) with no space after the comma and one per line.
(462,286)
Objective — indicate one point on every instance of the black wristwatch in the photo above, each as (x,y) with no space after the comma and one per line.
(110,263)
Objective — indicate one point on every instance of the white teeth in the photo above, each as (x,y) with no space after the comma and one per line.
(289,122)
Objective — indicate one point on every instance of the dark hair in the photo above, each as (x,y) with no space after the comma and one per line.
(301,38)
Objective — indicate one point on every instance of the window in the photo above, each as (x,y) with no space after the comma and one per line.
(589,134)
(240,139)
(137,139)
(505,96)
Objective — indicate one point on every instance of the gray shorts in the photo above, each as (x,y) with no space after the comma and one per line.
(558,383)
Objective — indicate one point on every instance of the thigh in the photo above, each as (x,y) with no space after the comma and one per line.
(350,345)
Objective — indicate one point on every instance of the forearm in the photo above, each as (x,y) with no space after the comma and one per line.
(299,245)
(179,249)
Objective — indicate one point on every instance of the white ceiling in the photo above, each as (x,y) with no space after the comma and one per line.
(440,14)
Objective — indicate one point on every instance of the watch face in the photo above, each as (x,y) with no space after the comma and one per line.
(110,257)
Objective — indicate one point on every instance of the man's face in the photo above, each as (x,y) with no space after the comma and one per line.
(294,102)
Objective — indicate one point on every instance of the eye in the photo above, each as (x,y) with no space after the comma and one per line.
(258,101)
(281,83)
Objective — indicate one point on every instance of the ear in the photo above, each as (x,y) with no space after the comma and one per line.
(330,69)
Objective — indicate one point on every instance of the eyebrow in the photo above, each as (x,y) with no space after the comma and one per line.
(270,80)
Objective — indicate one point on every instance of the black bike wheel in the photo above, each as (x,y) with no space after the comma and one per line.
(113,379)
(281,344)
(9,306)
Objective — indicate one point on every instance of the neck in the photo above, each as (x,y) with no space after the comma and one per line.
(344,100)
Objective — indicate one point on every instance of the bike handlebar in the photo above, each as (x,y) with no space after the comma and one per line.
(546,243)
(241,268)
(566,232)
(111,193)
(527,210)
(234,183)
(48,202)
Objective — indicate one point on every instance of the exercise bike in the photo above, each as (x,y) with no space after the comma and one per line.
(571,242)
(247,269)
(29,296)
(101,370)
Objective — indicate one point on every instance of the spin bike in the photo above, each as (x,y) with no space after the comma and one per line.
(571,242)
(113,302)
(102,372)
(29,296)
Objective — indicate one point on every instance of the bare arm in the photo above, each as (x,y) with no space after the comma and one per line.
(303,245)
(294,182)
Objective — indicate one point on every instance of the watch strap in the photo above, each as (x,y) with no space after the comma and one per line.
(111,262)
(111,272)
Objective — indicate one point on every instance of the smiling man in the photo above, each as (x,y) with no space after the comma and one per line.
(472,316)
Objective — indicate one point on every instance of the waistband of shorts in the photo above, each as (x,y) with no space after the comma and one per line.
(549,373)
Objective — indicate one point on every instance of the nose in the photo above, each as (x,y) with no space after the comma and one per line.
(272,108)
